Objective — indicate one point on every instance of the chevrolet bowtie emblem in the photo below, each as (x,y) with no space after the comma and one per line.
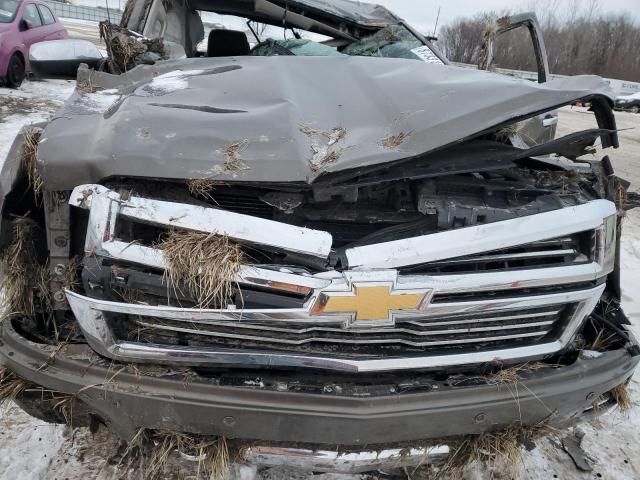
(370,304)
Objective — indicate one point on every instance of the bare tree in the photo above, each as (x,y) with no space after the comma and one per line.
(579,40)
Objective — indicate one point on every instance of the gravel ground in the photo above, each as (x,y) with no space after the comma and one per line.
(31,449)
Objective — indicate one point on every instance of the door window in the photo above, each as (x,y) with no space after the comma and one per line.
(31,14)
(47,16)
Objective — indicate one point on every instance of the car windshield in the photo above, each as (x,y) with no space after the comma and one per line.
(8,9)
(294,46)
(394,41)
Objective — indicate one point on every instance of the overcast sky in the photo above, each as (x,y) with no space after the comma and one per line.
(422,14)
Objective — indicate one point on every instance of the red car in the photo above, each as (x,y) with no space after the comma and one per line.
(23,23)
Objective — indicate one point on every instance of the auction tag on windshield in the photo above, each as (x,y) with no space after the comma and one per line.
(425,54)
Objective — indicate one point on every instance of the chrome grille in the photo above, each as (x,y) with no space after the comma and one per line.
(477,331)
(493,305)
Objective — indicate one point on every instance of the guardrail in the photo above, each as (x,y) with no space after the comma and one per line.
(79,12)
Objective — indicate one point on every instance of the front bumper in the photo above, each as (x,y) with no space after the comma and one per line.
(127,401)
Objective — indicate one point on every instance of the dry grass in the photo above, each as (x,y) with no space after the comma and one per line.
(622,397)
(333,136)
(499,451)
(505,132)
(322,159)
(392,141)
(25,283)
(10,385)
(70,277)
(159,448)
(323,145)
(233,154)
(124,50)
(603,340)
(29,161)
(202,187)
(513,374)
(206,264)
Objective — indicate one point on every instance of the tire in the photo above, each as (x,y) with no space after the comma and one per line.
(15,72)
(634,109)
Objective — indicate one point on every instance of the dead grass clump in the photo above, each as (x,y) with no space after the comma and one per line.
(622,397)
(513,374)
(392,142)
(603,340)
(499,451)
(233,154)
(323,145)
(63,406)
(70,277)
(10,385)
(125,50)
(159,448)
(505,132)
(25,283)
(202,187)
(322,158)
(204,263)
(29,161)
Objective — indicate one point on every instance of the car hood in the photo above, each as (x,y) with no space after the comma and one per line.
(280,119)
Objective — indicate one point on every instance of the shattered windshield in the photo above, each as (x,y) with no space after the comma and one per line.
(8,10)
(299,47)
(394,41)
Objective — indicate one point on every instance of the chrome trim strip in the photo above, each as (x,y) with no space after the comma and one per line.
(449,283)
(510,256)
(303,315)
(192,217)
(347,462)
(247,275)
(481,238)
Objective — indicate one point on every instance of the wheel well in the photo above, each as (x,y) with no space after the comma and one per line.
(19,54)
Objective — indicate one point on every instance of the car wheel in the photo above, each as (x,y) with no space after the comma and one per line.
(635,109)
(15,72)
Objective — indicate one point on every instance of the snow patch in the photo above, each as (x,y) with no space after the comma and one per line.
(98,102)
(167,83)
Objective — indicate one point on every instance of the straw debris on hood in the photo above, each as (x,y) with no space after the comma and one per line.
(204,264)
(24,284)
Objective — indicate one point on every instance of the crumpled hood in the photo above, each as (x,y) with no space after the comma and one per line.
(280,119)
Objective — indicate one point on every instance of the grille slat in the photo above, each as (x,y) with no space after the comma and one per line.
(425,333)
(545,253)
(389,340)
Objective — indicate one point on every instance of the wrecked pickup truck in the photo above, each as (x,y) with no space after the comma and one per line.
(333,253)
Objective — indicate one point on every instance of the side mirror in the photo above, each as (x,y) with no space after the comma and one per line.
(61,58)
(25,25)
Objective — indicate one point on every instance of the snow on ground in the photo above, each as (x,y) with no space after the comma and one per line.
(32,449)
(33,102)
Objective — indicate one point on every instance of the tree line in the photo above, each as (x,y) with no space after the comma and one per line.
(580,40)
